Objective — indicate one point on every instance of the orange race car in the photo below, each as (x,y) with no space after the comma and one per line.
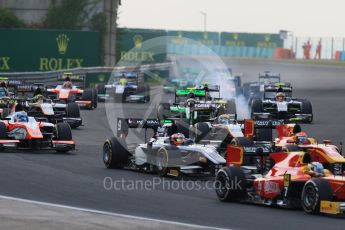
(67,92)
(18,130)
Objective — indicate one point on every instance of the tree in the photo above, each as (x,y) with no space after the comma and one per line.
(9,19)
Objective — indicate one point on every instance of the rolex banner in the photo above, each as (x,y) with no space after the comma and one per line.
(45,50)
(251,40)
(134,46)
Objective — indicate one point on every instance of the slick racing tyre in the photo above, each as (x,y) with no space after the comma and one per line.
(73,111)
(307,108)
(230,184)
(88,96)
(256,106)
(115,154)
(314,191)
(201,130)
(94,98)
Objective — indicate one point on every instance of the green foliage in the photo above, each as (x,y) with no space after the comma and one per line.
(9,19)
(99,22)
(65,15)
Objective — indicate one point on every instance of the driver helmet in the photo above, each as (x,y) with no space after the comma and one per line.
(191,94)
(67,85)
(38,98)
(22,117)
(280,96)
(301,138)
(3,84)
(177,139)
(224,119)
(123,81)
(316,167)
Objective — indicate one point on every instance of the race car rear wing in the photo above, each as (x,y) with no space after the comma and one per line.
(186,92)
(124,124)
(72,77)
(262,130)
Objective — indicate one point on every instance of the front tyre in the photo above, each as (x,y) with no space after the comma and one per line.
(314,191)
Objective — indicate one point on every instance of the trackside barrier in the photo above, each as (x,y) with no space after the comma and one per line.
(224,51)
(50,77)
(340,56)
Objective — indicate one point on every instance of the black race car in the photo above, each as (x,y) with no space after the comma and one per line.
(287,108)
(256,89)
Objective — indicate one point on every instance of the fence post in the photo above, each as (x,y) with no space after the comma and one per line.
(332,51)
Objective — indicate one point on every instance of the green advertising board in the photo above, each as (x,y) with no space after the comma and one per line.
(130,48)
(45,50)
(204,38)
(251,40)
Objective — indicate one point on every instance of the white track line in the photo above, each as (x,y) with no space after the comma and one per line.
(111,213)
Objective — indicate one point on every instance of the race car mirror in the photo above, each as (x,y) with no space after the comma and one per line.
(341,147)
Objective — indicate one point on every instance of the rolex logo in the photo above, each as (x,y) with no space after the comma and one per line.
(138,41)
(62,43)
(235,37)
(267,38)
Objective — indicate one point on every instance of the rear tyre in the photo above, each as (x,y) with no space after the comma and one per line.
(314,191)
(230,184)
(88,96)
(115,154)
(94,98)
(256,106)
(307,108)
(73,111)
(201,130)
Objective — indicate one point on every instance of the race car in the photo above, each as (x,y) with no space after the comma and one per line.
(282,106)
(256,89)
(232,81)
(171,85)
(196,105)
(311,178)
(167,153)
(67,92)
(20,131)
(127,87)
(54,112)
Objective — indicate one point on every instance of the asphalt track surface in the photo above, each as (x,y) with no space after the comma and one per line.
(77,179)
